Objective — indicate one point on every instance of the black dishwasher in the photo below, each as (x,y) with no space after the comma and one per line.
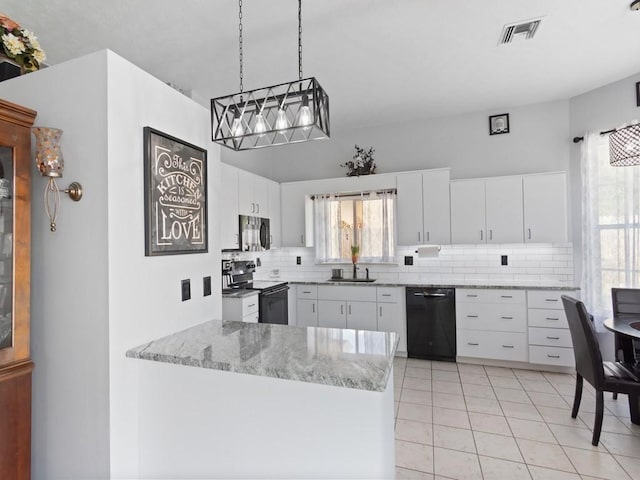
(431,323)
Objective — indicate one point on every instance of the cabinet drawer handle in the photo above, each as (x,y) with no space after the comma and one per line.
(553,338)
(550,299)
(472,316)
(506,296)
(380,311)
(419,237)
(251,305)
(349,309)
(553,356)
(253,208)
(341,309)
(306,291)
(472,295)
(427,236)
(472,344)
(386,294)
(552,318)
(507,346)
(507,318)
(313,308)
(481,235)
(302,239)
(490,234)
(257,208)
(529,231)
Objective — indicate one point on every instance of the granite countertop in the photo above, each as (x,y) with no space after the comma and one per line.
(239,293)
(329,356)
(435,285)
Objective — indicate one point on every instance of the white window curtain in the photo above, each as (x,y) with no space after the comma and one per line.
(610,226)
(366,220)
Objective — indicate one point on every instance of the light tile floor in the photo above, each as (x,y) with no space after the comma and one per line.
(459,421)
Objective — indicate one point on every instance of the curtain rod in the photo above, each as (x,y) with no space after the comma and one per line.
(352,194)
(579,139)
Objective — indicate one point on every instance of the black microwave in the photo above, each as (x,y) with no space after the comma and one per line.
(254,234)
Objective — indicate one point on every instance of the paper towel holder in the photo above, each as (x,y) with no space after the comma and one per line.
(432,246)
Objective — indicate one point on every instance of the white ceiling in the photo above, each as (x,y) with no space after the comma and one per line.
(380,61)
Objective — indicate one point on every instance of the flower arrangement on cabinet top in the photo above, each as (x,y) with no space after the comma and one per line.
(362,163)
(20,45)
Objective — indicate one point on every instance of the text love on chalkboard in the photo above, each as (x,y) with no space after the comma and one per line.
(175,185)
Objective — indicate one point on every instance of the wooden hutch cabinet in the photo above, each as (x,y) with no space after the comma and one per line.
(15,262)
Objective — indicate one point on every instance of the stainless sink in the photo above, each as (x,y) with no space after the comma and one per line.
(352,280)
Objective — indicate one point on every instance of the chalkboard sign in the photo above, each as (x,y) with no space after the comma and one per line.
(175,186)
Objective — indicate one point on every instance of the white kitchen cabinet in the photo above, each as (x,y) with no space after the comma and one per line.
(545,207)
(423,207)
(362,316)
(253,194)
(392,318)
(274,213)
(229,222)
(487,210)
(504,211)
(491,324)
(332,313)
(435,207)
(549,335)
(307,312)
(241,309)
(468,221)
(293,203)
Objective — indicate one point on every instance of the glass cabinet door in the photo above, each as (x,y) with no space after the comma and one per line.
(6,247)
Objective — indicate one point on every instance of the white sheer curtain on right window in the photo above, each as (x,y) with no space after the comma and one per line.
(610,226)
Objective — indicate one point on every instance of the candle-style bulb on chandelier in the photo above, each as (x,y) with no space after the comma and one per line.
(291,112)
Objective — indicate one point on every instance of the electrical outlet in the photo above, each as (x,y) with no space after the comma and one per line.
(503,260)
(186,289)
(298,260)
(408,260)
(206,286)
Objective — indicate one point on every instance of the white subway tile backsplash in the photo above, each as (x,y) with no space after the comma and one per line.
(527,264)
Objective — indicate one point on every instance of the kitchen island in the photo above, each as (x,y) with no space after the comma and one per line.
(246,400)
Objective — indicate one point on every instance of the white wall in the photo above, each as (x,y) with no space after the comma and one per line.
(69,309)
(537,143)
(144,292)
(94,293)
(595,111)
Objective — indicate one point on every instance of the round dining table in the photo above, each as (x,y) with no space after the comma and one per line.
(627,329)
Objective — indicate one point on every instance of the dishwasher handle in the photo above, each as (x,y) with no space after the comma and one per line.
(424,294)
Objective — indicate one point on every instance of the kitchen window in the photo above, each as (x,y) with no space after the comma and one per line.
(366,220)
(611,226)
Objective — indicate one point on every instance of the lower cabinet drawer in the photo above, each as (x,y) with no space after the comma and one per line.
(562,357)
(251,318)
(542,317)
(550,337)
(492,345)
(250,305)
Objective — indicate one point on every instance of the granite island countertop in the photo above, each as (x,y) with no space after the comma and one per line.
(329,356)
(384,283)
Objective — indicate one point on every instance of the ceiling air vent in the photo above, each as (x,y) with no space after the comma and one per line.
(519,31)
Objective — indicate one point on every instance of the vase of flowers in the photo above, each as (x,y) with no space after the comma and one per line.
(20,47)
(362,163)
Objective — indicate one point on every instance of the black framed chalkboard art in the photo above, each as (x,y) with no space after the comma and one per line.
(175,195)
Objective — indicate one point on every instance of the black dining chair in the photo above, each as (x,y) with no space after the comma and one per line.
(603,376)
(626,301)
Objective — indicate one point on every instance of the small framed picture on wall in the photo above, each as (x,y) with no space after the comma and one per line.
(499,124)
(638,94)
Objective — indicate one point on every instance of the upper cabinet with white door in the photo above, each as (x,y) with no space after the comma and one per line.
(545,207)
(253,194)
(275,225)
(423,207)
(503,202)
(229,207)
(487,210)
(468,220)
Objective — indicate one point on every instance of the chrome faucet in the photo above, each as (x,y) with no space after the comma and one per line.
(367,272)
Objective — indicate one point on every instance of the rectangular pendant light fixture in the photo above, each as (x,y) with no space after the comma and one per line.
(291,112)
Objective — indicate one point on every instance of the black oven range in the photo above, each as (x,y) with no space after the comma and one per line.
(273,295)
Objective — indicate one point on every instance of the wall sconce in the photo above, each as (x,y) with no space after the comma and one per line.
(50,163)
